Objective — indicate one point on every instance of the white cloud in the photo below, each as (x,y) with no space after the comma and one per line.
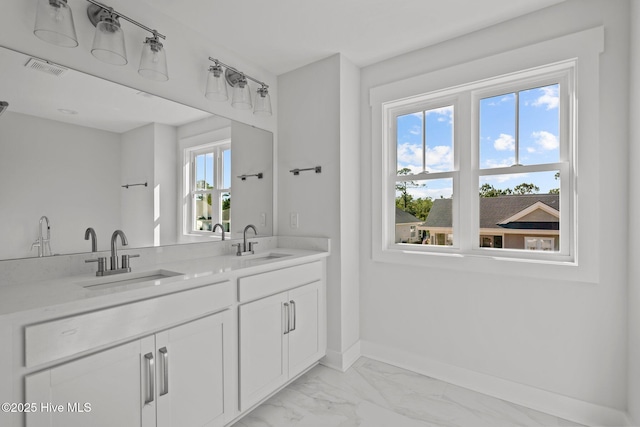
(410,155)
(446,113)
(546,140)
(439,158)
(502,163)
(504,142)
(416,130)
(549,98)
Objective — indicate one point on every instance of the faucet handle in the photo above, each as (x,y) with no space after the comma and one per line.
(251,245)
(125,260)
(239,246)
(102,262)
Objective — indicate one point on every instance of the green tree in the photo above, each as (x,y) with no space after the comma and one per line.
(526,188)
(488,190)
(403,187)
(422,207)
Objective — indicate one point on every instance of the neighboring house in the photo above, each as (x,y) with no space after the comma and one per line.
(529,221)
(407,227)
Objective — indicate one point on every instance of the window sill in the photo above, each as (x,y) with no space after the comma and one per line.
(491,264)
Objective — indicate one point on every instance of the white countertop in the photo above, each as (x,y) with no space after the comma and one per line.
(68,295)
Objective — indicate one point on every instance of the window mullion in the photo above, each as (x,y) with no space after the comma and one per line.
(465,126)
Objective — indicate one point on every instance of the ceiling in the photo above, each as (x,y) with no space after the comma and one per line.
(111,107)
(284,35)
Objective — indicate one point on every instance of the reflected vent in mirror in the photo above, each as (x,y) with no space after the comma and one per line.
(45,67)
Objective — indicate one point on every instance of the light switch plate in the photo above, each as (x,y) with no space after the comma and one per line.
(293,219)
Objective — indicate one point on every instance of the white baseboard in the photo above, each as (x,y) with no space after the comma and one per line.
(551,403)
(341,361)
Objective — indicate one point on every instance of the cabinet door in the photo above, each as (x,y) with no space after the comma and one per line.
(190,373)
(305,344)
(263,355)
(113,383)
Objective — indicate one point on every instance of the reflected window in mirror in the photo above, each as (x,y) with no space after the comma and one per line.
(209,186)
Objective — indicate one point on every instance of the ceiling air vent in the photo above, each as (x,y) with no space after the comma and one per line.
(46,67)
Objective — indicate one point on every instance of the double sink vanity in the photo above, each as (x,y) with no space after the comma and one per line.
(184,340)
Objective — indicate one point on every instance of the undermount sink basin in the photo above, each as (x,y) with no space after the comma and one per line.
(149,278)
(262,258)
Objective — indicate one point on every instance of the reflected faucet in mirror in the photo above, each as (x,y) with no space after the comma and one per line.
(91,233)
(43,243)
(213,229)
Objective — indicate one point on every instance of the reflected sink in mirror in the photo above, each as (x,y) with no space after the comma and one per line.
(130,280)
(261,259)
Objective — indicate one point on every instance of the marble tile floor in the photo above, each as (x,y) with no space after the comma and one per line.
(375,394)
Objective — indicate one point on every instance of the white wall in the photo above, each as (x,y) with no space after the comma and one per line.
(137,203)
(165,185)
(563,337)
(319,128)
(69,173)
(633,373)
(251,153)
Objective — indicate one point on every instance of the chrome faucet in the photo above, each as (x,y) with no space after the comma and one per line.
(246,249)
(91,233)
(114,249)
(43,243)
(213,230)
(102,261)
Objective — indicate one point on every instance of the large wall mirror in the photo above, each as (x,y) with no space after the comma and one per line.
(75,148)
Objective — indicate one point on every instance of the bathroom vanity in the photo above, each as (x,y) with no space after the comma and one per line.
(192,342)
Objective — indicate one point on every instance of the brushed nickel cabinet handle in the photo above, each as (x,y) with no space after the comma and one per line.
(293,315)
(287,317)
(150,378)
(164,356)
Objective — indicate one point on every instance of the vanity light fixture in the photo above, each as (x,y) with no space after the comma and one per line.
(241,96)
(54,24)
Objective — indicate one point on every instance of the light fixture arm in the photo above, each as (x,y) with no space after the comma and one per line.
(235,70)
(126,18)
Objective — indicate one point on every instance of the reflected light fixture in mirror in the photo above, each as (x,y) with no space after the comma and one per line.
(241,96)
(153,62)
(216,84)
(108,42)
(54,23)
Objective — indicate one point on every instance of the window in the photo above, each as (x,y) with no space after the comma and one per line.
(209,180)
(542,73)
(485,167)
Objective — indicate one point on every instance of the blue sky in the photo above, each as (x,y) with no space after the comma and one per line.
(538,140)
(205,168)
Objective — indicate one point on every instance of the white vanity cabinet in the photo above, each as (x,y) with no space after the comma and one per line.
(280,335)
(171,377)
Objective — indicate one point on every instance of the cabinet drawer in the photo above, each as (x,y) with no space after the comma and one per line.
(272,282)
(65,337)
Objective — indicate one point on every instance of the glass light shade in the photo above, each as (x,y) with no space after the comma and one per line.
(108,42)
(241,96)
(153,62)
(262,105)
(216,84)
(54,23)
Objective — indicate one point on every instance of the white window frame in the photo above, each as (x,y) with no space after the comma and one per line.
(466,173)
(578,258)
(190,154)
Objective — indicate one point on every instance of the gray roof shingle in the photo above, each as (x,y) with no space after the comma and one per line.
(493,210)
